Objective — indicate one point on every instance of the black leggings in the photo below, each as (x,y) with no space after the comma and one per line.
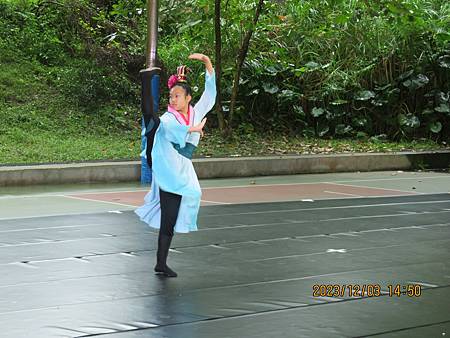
(151,120)
(170,204)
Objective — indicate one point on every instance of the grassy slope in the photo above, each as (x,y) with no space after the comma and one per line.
(39,124)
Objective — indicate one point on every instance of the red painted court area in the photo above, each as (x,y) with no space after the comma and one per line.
(257,193)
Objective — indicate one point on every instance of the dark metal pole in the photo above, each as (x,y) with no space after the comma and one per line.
(150,91)
(152,32)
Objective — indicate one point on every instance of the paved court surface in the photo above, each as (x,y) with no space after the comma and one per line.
(342,255)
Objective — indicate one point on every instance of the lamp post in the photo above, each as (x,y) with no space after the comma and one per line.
(150,91)
(152,32)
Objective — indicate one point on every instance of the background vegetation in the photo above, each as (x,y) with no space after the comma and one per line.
(372,71)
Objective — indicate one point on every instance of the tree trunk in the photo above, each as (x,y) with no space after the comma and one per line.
(218,32)
(243,50)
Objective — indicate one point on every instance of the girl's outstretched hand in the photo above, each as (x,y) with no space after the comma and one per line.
(198,128)
(203,58)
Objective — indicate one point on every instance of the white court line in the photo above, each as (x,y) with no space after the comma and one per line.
(94,200)
(366,187)
(381,216)
(328,208)
(48,228)
(317,199)
(238,226)
(284,257)
(341,193)
(29,196)
(318,182)
(176,251)
(325,252)
(394,179)
(424,284)
(57,241)
(54,215)
(71,193)
(225,203)
(329,299)
(218,247)
(44,215)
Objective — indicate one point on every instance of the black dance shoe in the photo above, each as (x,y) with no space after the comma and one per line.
(165,271)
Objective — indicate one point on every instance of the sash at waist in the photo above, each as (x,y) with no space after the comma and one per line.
(187,151)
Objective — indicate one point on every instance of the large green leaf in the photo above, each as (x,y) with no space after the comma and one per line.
(443,108)
(443,97)
(435,127)
(316,112)
(409,120)
(416,82)
(189,24)
(338,102)
(299,110)
(270,88)
(323,130)
(308,132)
(361,134)
(342,129)
(379,138)
(360,121)
(364,95)
(312,65)
(444,61)
(379,102)
(287,94)
(427,111)
(405,75)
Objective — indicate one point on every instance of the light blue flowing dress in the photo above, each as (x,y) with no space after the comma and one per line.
(172,168)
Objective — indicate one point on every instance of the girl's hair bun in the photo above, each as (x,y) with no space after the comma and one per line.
(180,77)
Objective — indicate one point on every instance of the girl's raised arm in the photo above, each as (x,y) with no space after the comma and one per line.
(208,98)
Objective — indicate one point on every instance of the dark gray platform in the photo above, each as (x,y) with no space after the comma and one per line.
(248,272)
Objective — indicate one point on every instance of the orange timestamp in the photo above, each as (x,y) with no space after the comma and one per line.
(366,290)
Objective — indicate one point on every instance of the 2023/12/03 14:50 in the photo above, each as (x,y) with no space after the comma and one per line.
(366,290)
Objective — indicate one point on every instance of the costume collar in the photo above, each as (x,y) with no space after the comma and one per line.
(180,117)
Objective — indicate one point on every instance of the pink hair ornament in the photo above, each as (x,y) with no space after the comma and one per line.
(173,79)
(179,77)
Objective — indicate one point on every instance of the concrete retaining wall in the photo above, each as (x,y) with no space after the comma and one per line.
(226,167)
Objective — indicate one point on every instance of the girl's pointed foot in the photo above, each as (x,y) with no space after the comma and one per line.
(165,270)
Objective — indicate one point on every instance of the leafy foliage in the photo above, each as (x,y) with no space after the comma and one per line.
(315,68)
